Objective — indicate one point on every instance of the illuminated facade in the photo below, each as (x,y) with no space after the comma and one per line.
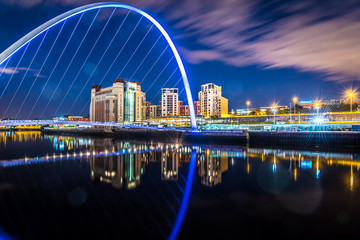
(169,102)
(197,107)
(212,104)
(123,102)
(183,109)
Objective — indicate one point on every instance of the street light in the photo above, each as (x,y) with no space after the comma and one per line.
(295,100)
(351,93)
(274,107)
(247,107)
(317,107)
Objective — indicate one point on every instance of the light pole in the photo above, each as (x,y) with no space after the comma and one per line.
(351,93)
(290,112)
(274,110)
(295,100)
(247,107)
(317,107)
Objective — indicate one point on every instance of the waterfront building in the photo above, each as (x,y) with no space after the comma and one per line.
(183,109)
(77,118)
(212,103)
(241,112)
(197,107)
(169,101)
(153,111)
(306,103)
(122,102)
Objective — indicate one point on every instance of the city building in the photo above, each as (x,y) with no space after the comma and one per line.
(241,112)
(77,118)
(183,109)
(153,111)
(169,102)
(197,107)
(337,102)
(306,103)
(122,102)
(211,102)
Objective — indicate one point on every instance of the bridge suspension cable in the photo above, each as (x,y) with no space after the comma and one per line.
(27,70)
(162,53)
(56,64)
(137,68)
(132,55)
(82,90)
(72,59)
(3,69)
(14,70)
(164,83)
(25,41)
(157,40)
(153,82)
(90,52)
(41,68)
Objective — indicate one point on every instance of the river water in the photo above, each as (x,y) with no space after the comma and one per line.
(71,187)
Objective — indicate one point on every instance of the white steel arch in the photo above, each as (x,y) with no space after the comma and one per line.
(51,23)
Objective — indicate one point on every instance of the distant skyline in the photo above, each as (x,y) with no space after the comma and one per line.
(262,51)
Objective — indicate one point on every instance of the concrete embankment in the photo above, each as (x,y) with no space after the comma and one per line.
(171,135)
(263,138)
(339,141)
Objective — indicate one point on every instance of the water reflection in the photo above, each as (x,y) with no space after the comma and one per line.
(154,179)
(18,136)
(122,164)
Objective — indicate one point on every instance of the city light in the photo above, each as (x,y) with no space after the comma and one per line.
(351,94)
(318,120)
(274,109)
(247,107)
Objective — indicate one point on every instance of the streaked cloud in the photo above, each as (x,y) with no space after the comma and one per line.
(8,70)
(309,35)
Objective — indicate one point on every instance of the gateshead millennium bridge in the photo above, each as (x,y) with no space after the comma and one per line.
(43,29)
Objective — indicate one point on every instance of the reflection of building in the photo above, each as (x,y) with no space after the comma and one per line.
(212,165)
(119,170)
(122,102)
(170,165)
(169,102)
(212,103)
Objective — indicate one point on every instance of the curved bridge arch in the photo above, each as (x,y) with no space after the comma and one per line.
(49,24)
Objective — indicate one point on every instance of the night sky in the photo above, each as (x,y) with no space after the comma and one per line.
(262,51)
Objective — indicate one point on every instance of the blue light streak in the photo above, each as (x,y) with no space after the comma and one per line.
(185,201)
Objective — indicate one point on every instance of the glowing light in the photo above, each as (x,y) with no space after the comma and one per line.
(184,203)
(59,19)
(319,120)
(248,103)
(295,99)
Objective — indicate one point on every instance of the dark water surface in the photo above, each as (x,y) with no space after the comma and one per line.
(65,187)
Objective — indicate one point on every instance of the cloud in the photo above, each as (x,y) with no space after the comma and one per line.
(13,70)
(309,35)
(7,71)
